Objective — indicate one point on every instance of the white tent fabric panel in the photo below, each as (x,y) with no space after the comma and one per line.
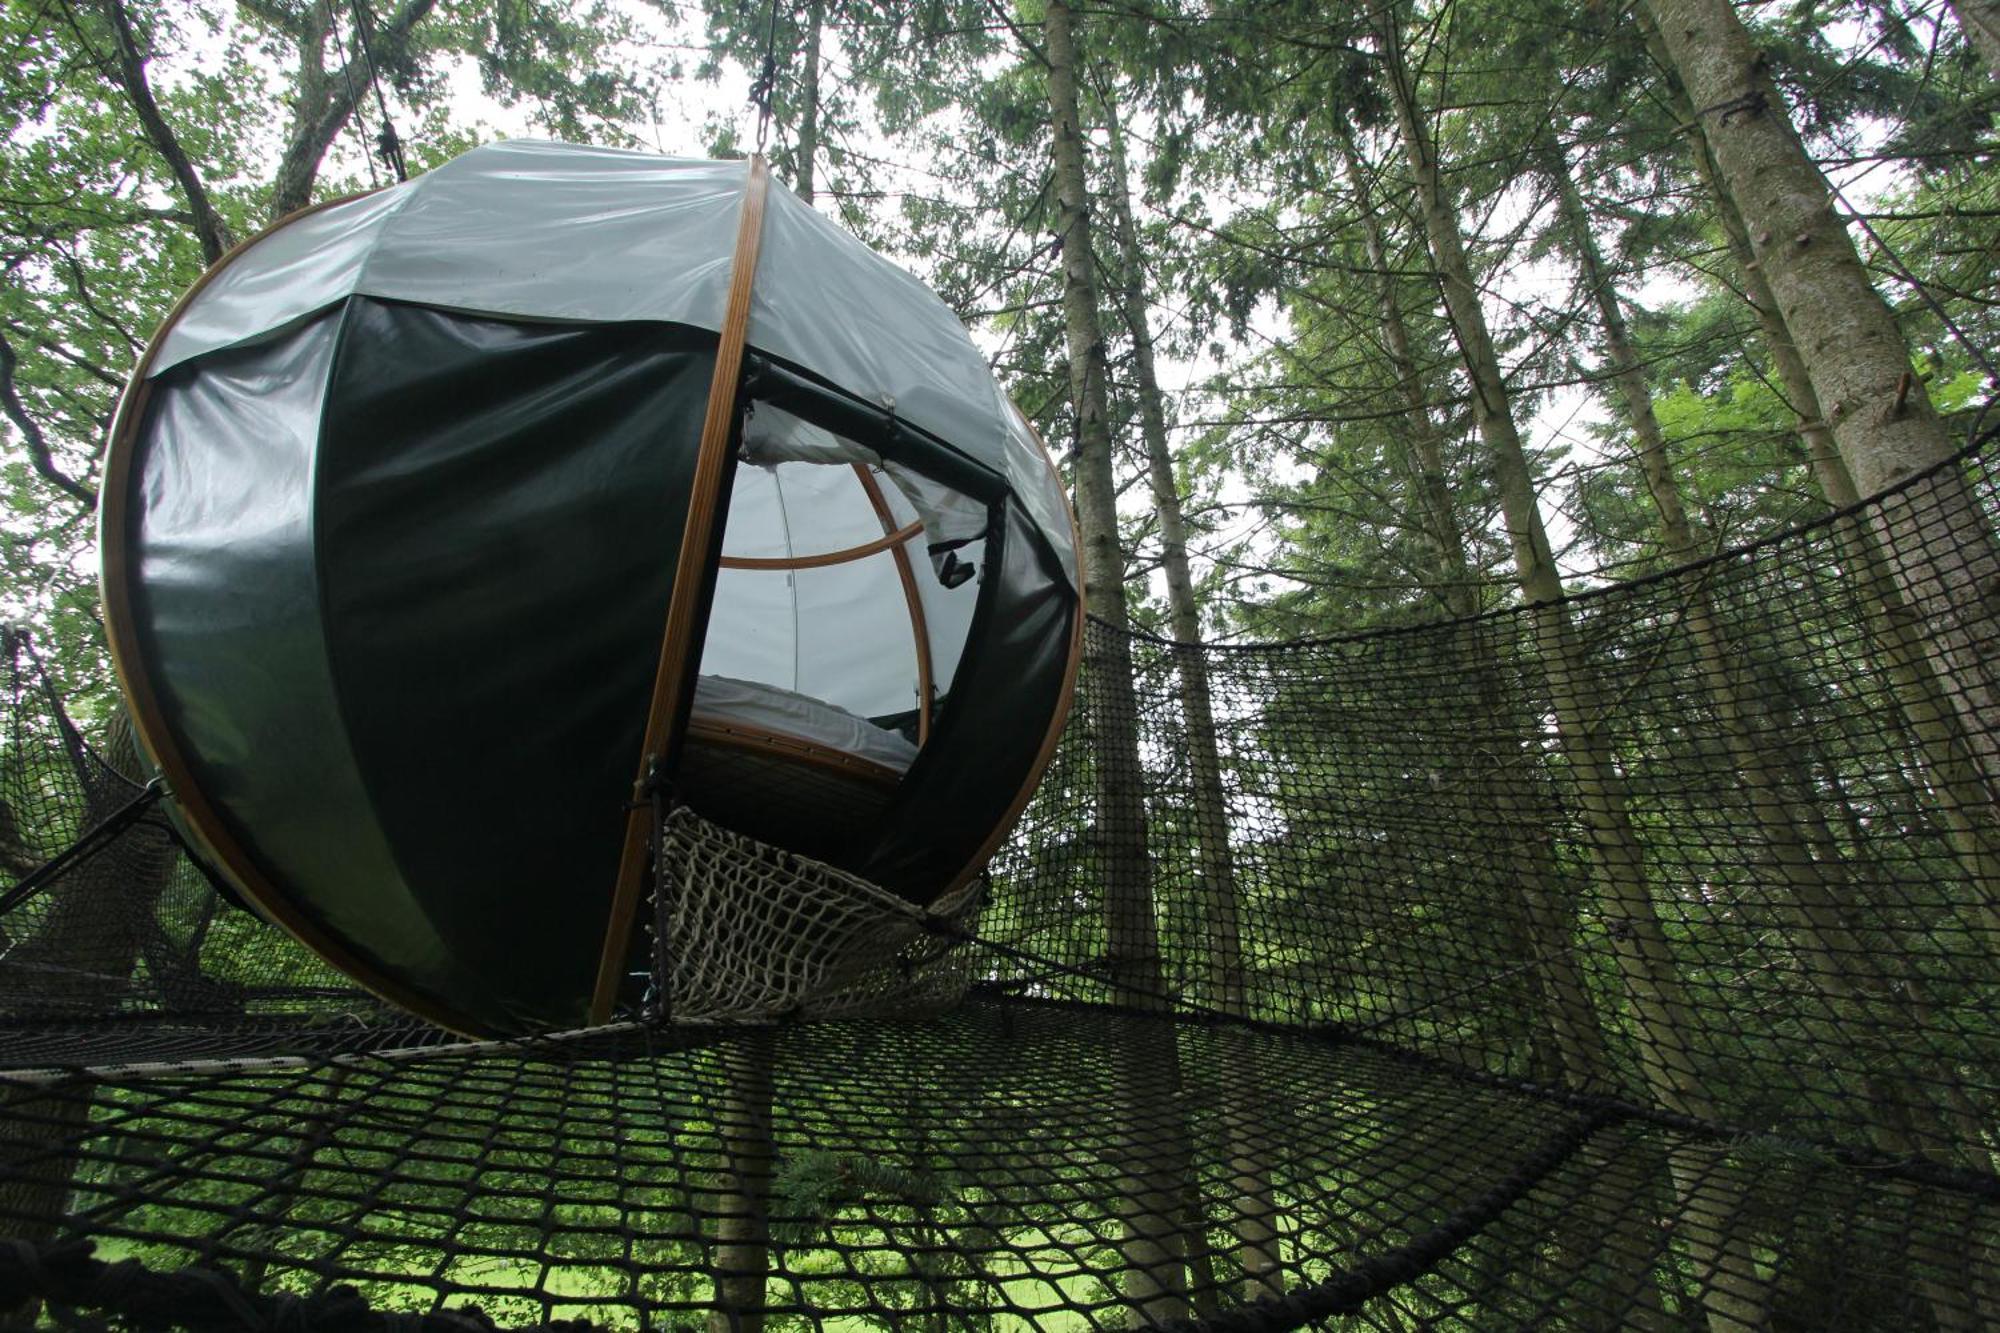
(841,634)
(1032,471)
(856,646)
(798,509)
(774,437)
(542,230)
(495,232)
(947,611)
(752,629)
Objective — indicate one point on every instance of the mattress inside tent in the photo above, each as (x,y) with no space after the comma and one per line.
(766,708)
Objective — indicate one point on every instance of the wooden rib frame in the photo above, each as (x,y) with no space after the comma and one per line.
(665,717)
(845,555)
(919,627)
(766,740)
(203,819)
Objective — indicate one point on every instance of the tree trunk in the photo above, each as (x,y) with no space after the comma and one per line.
(1540,927)
(324,101)
(1731,1295)
(1155,1281)
(1961,803)
(1940,549)
(320,107)
(1456,588)
(1979,20)
(806,152)
(740,1199)
(1253,1210)
(1627,373)
(1869,1011)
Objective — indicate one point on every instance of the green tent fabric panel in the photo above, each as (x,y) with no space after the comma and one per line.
(226,608)
(992,727)
(499,511)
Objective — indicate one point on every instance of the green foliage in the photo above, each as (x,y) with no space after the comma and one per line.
(1333,482)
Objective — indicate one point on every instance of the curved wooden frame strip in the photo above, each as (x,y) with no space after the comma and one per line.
(820,561)
(666,719)
(202,818)
(919,627)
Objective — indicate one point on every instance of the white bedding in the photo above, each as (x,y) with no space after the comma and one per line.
(726,699)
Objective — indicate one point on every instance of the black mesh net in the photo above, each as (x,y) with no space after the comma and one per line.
(1624,962)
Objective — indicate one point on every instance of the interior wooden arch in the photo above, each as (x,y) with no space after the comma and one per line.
(820,560)
(896,541)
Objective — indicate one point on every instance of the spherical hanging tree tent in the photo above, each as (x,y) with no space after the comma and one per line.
(446,526)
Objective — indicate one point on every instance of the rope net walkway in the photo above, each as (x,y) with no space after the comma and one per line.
(1627,962)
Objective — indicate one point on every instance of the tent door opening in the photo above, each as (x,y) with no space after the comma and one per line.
(833,638)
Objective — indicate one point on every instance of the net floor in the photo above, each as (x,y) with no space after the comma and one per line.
(990,1168)
(1627,962)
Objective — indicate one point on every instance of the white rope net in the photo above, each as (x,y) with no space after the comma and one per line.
(743,930)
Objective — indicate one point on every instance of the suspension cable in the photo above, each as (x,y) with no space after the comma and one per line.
(358,121)
(390,146)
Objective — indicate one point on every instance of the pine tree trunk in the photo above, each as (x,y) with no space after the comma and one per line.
(1962,804)
(1979,20)
(1456,587)
(739,1201)
(1941,551)
(1538,925)
(1867,1009)
(807,150)
(1731,1294)
(1149,1171)
(1252,1212)
(1828,469)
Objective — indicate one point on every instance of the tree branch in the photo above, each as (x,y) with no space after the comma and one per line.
(326,101)
(131,73)
(31,432)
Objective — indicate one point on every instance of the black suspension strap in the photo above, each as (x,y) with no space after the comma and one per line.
(357,123)
(764,88)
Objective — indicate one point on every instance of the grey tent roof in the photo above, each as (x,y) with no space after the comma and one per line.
(543,230)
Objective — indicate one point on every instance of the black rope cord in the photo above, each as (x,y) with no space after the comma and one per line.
(764,88)
(390,146)
(1371,1278)
(68,1274)
(93,841)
